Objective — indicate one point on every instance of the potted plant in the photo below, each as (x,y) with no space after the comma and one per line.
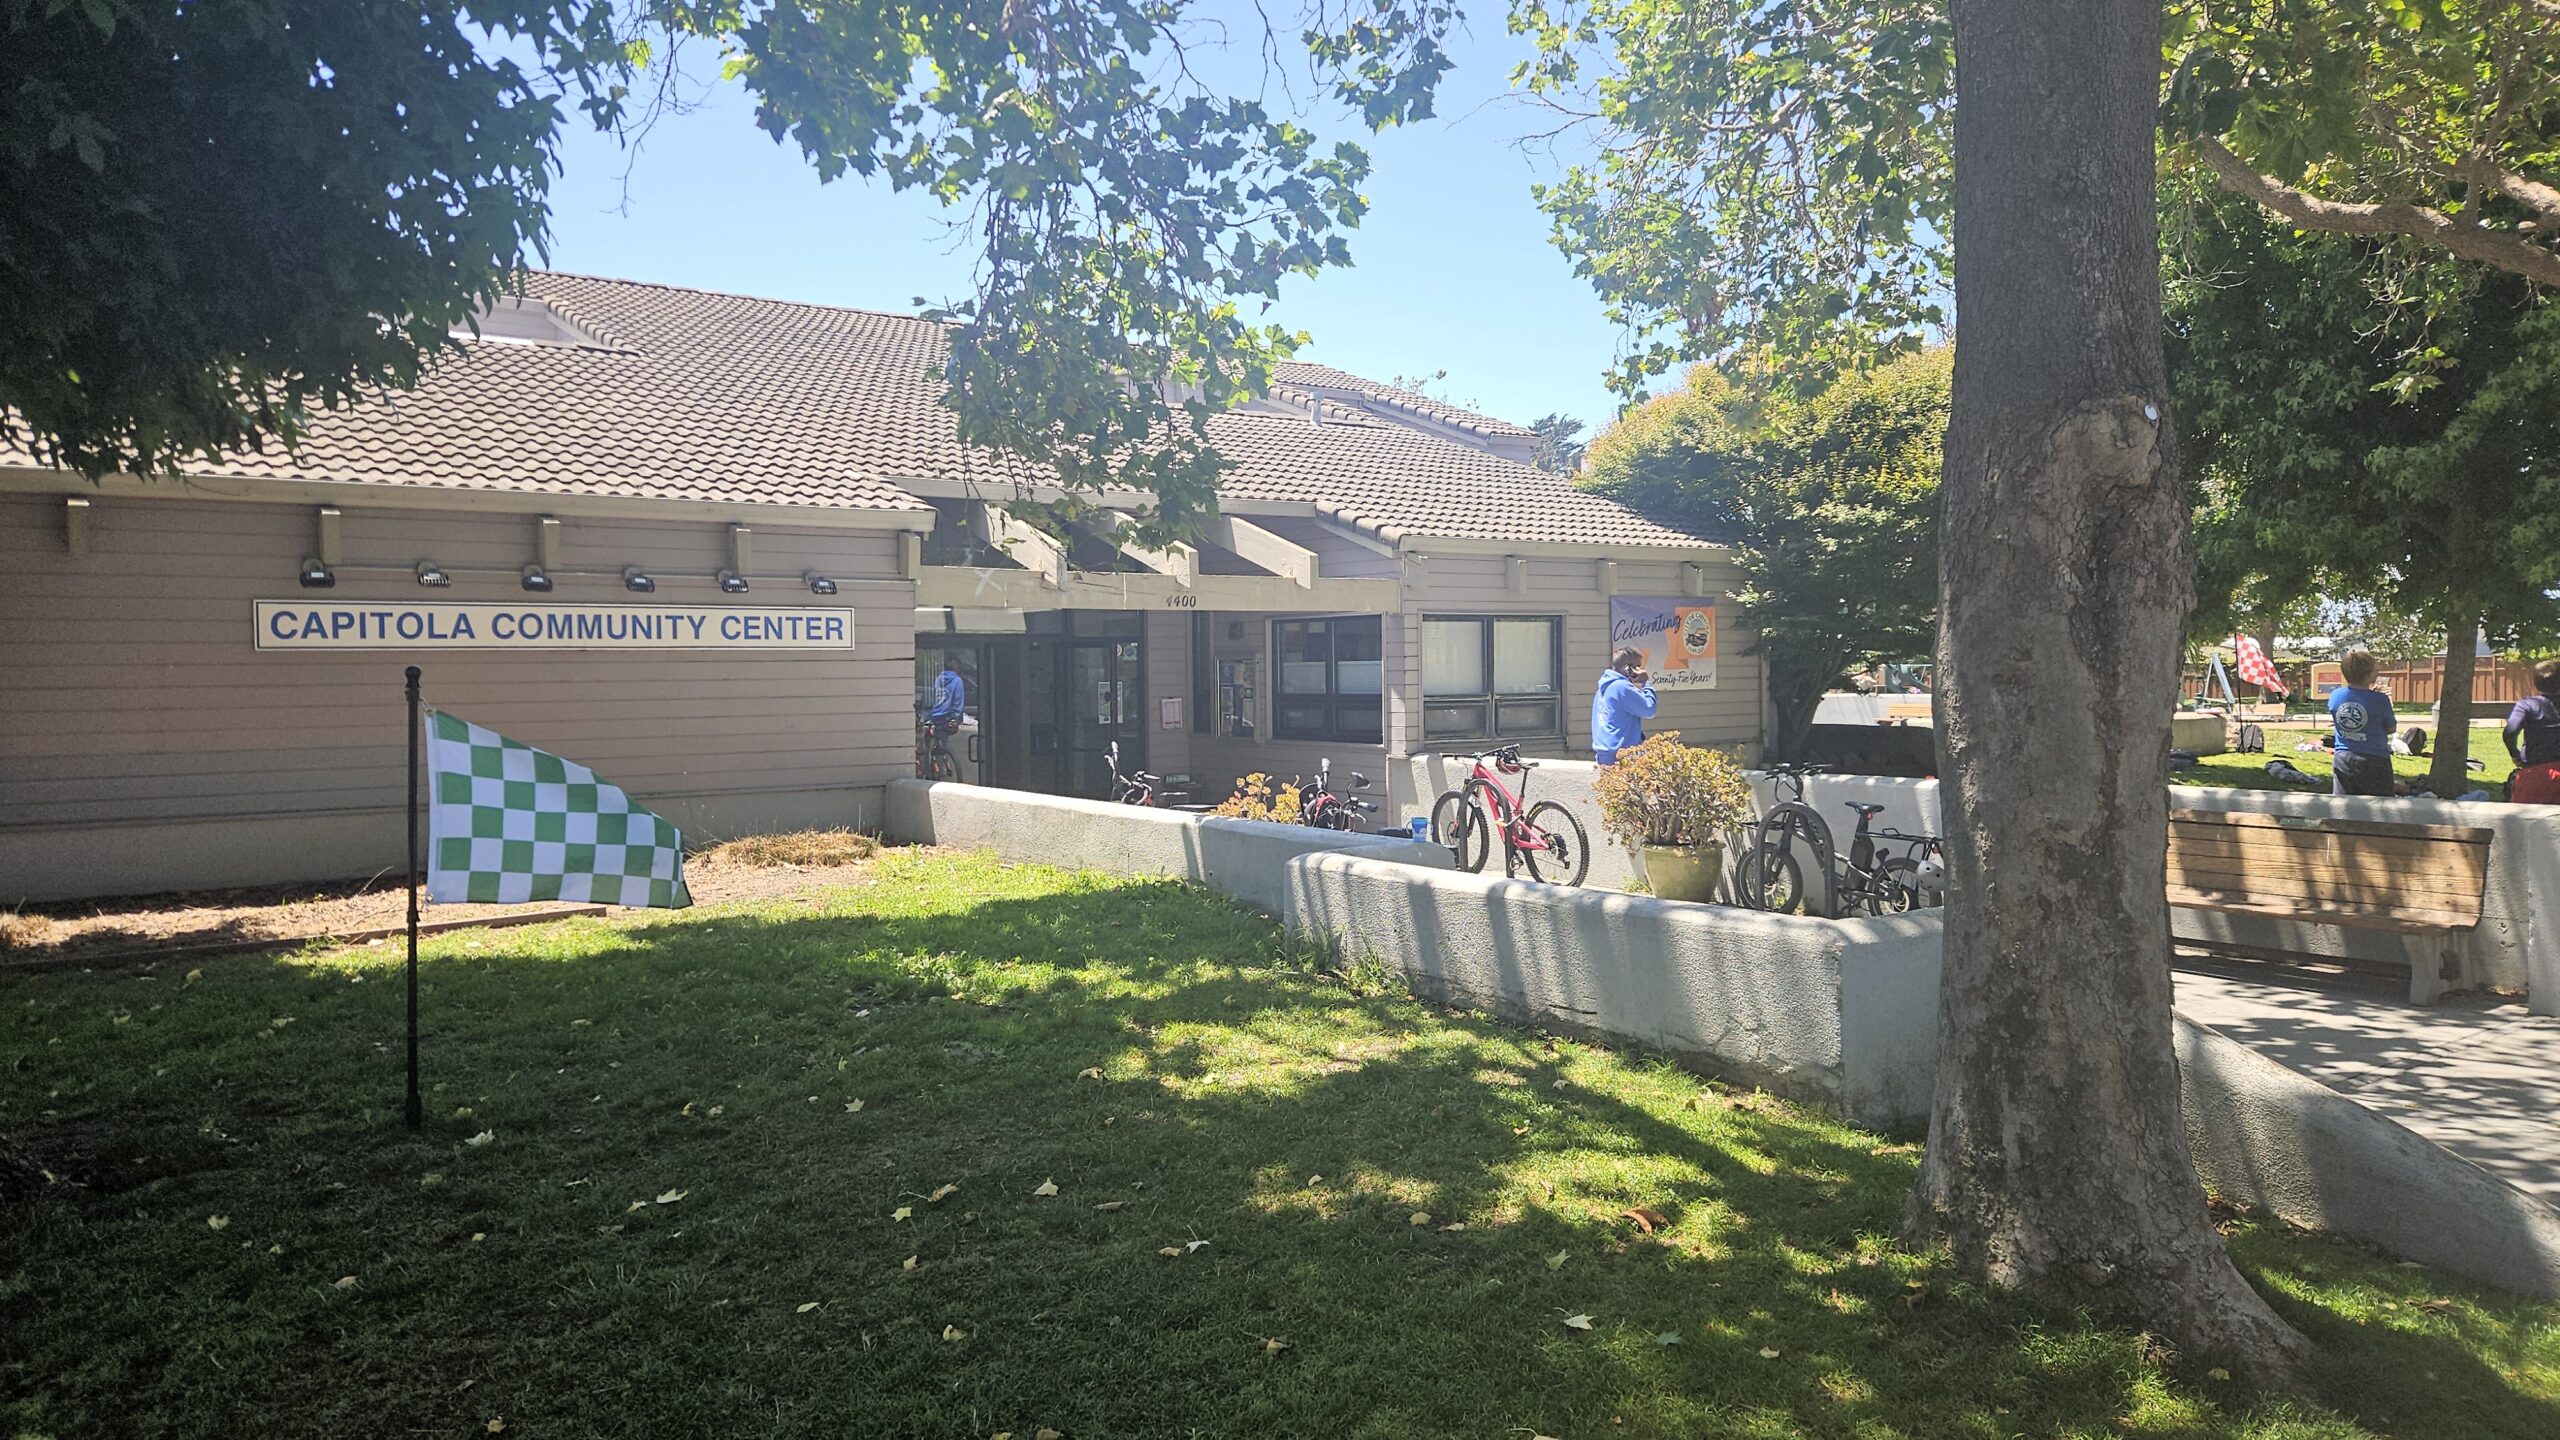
(1676,803)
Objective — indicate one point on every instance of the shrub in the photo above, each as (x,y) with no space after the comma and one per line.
(1665,793)
(1259,797)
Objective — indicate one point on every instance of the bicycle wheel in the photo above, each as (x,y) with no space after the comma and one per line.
(1773,878)
(1567,857)
(1456,825)
(1897,886)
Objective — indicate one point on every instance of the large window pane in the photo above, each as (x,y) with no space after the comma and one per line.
(1330,679)
(1305,666)
(1453,720)
(1518,718)
(1524,657)
(1453,657)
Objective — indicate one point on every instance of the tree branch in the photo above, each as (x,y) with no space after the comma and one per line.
(2504,251)
(2528,191)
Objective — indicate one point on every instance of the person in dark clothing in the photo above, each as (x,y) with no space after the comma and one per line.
(2362,719)
(2533,740)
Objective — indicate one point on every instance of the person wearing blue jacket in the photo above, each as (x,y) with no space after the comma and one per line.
(1624,701)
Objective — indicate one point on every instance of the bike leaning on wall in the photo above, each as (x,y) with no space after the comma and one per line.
(1884,872)
(1544,839)
(1320,806)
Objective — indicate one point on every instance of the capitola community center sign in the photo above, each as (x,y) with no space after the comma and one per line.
(482,625)
(1677,637)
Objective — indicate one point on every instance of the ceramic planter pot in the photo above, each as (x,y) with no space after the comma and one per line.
(1680,872)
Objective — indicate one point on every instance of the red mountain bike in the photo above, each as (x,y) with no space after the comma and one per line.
(1543,839)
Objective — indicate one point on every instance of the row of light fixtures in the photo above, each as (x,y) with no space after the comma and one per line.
(320,573)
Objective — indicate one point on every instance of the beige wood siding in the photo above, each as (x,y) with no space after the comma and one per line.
(1569,588)
(131,694)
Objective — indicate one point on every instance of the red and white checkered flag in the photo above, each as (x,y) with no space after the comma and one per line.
(2255,668)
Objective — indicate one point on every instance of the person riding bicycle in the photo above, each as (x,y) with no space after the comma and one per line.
(950,703)
(1621,705)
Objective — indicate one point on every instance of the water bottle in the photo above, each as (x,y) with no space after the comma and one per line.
(1421,826)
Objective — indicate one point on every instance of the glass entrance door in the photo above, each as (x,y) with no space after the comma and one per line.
(1085,695)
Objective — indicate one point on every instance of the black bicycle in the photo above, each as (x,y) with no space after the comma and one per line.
(1135,787)
(1885,872)
(1319,805)
(933,758)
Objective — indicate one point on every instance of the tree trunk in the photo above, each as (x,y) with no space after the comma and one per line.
(2057,1158)
(2450,774)
(1796,688)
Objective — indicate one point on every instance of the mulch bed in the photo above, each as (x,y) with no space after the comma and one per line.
(145,925)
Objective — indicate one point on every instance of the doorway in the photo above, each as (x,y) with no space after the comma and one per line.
(1091,687)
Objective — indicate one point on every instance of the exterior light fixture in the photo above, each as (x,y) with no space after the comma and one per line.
(316,576)
(536,581)
(821,585)
(637,583)
(432,575)
(732,583)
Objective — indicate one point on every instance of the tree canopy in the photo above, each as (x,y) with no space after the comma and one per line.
(2369,420)
(1831,499)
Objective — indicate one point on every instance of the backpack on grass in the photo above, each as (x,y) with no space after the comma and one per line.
(2253,739)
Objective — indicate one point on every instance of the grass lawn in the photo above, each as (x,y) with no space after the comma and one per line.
(969,1150)
(2249,772)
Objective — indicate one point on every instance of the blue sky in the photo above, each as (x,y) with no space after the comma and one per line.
(1454,270)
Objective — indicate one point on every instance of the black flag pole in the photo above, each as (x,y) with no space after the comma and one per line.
(417,1107)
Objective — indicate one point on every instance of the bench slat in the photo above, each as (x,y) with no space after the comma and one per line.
(2407,921)
(2323,825)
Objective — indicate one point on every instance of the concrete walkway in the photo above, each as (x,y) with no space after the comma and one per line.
(2475,1074)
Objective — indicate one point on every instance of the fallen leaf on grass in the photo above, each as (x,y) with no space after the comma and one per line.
(1170,1252)
(1090,1072)
(902,1212)
(805,1307)
(1519,1129)
(1190,1245)
(192,977)
(672,1196)
(954,1333)
(1667,1337)
(479,1235)
(121,1016)
(1111,1205)
(1556,1261)
(1421,1217)
(1045,1433)
(1577,1322)
(637,1205)
(348,1282)
(1645,1217)
(941,1194)
(912,1262)
(497,1425)
(1453,1225)
(853,1107)
(1047,1189)
(1769,1352)
(483,1138)
(1274,1345)
(2217,1373)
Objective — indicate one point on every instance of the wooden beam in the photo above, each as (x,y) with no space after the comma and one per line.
(1277,554)
(1030,547)
(968,587)
(1181,562)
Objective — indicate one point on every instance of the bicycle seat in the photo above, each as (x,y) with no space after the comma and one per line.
(1865,810)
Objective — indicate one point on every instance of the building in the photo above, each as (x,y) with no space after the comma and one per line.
(712,546)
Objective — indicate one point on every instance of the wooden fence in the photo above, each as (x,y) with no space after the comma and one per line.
(2410,683)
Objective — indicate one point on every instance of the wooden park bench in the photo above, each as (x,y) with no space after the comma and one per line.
(2423,881)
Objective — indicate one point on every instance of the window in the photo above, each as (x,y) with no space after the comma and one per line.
(1486,678)
(1330,674)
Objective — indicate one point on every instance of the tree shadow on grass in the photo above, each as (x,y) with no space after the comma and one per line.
(1143,1047)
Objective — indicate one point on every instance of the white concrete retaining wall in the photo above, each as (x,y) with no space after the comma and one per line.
(1244,858)
(1838,1012)
(2290,1145)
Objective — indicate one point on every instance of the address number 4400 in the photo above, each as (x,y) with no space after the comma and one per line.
(1182,602)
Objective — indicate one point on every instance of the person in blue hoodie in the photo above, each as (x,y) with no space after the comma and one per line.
(1620,707)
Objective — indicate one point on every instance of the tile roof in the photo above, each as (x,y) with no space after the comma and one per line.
(695,395)
(1307,375)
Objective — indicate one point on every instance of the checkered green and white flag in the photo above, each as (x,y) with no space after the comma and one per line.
(508,823)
